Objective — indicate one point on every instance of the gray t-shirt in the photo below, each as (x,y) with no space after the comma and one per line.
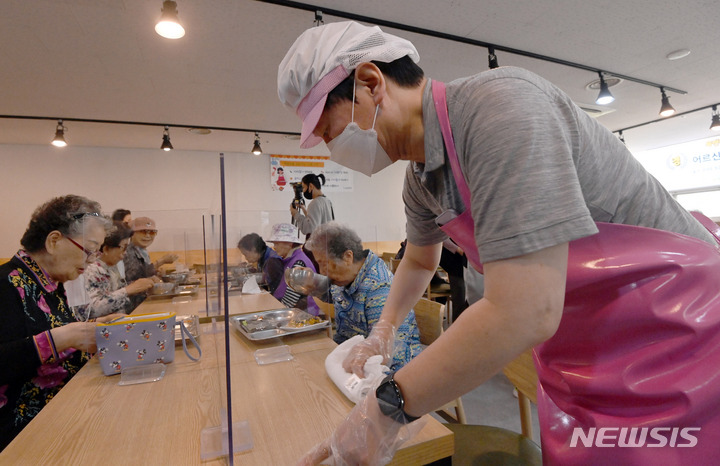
(539,169)
(319,211)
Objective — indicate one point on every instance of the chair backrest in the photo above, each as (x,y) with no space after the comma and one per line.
(394,264)
(522,374)
(429,317)
(387,257)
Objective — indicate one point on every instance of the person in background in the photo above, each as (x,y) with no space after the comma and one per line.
(587,259)
(360,283)
(286,242)
(264,258)
(107,289)
(122,216)
(137,259)
(42,345)
(318,211)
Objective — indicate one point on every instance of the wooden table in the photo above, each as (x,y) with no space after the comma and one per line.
(290,407)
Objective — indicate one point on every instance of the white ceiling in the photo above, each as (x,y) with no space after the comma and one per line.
(101,59)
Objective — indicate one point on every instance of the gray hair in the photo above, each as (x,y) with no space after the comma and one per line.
(65,214)
(335,238)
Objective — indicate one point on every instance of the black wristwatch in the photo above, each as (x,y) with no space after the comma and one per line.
(391,401)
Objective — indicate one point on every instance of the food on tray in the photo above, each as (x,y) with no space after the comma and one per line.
(304,322)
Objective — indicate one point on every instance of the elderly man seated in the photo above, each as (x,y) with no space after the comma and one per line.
(360,285)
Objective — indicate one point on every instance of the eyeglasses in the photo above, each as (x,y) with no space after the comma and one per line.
(80,215)
(89,255)
(147,232)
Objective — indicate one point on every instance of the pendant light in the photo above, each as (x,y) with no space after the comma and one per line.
(169,25)
(715,125)
(257,150)
(166,144)
(604,97)
(59,139)
(665,109)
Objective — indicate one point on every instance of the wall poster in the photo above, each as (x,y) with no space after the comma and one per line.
(286,169)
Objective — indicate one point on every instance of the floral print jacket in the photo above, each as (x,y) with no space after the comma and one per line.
(30,304)
(106,290)
(359,305)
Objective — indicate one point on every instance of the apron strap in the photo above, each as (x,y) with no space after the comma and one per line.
(440,100)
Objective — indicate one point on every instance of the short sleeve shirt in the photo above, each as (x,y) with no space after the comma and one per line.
(540,171)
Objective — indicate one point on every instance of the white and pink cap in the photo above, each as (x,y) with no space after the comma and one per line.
(322,57)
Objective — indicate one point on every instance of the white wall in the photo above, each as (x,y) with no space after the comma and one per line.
(176,188)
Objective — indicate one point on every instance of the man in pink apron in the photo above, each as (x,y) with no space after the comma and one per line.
(585,256)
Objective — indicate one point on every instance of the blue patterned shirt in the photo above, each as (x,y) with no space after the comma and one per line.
(359,305)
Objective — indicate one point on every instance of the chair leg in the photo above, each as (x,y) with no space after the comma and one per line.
(525,415)
(460,412)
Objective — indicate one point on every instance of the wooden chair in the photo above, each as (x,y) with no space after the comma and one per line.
(522,374)
(429,317)
(328,309)
(394,263)
(387,257)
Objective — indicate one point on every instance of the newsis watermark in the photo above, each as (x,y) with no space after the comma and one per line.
(634,437)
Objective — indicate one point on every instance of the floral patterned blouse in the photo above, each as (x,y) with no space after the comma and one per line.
(359,305)
(30,304)
(106,290)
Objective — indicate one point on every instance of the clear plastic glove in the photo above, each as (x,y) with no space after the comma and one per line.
(366,436)
(380,341)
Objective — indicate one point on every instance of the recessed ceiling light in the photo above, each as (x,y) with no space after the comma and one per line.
(678,54)
(202,131)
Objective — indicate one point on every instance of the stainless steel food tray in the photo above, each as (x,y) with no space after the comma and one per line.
(267,324)
(192,323)
(179,290)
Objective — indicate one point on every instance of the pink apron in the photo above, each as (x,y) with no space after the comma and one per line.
(632,375)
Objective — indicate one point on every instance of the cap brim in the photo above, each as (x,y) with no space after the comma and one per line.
(307,138)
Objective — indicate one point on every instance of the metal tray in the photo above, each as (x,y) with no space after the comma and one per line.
(265,325)
(192,323)
(179,290)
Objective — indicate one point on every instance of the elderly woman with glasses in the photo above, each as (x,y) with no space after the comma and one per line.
(137,259)
(41,344)
(360,286)
(106,287)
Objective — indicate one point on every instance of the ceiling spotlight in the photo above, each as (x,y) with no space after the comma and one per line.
(257,150)
(604,97)
(59,139)
(169,24)
(166,144)
(715,125)
(492,58)
(665,109)
(621,137)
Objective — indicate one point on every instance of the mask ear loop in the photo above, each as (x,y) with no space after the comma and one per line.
(352,115)
(377,108)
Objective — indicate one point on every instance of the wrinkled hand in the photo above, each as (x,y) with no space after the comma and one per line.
(366,437)
(380,341)
(78,335)
(167,259)
(141,284)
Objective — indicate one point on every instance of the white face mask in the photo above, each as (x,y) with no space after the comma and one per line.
(359,149)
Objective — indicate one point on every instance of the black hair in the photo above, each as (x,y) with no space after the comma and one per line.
(120,214)
(65,214)
(116,235)
(403,71)
(314,180)
(252,242)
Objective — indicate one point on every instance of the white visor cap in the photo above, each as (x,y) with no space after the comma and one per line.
(322,57)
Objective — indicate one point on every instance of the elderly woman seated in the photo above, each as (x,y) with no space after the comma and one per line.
(360,285)
(41,344)
(287,243)
(263,258)
(107,289)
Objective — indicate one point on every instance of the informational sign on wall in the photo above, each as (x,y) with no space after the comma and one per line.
(286,169)
(680,167)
